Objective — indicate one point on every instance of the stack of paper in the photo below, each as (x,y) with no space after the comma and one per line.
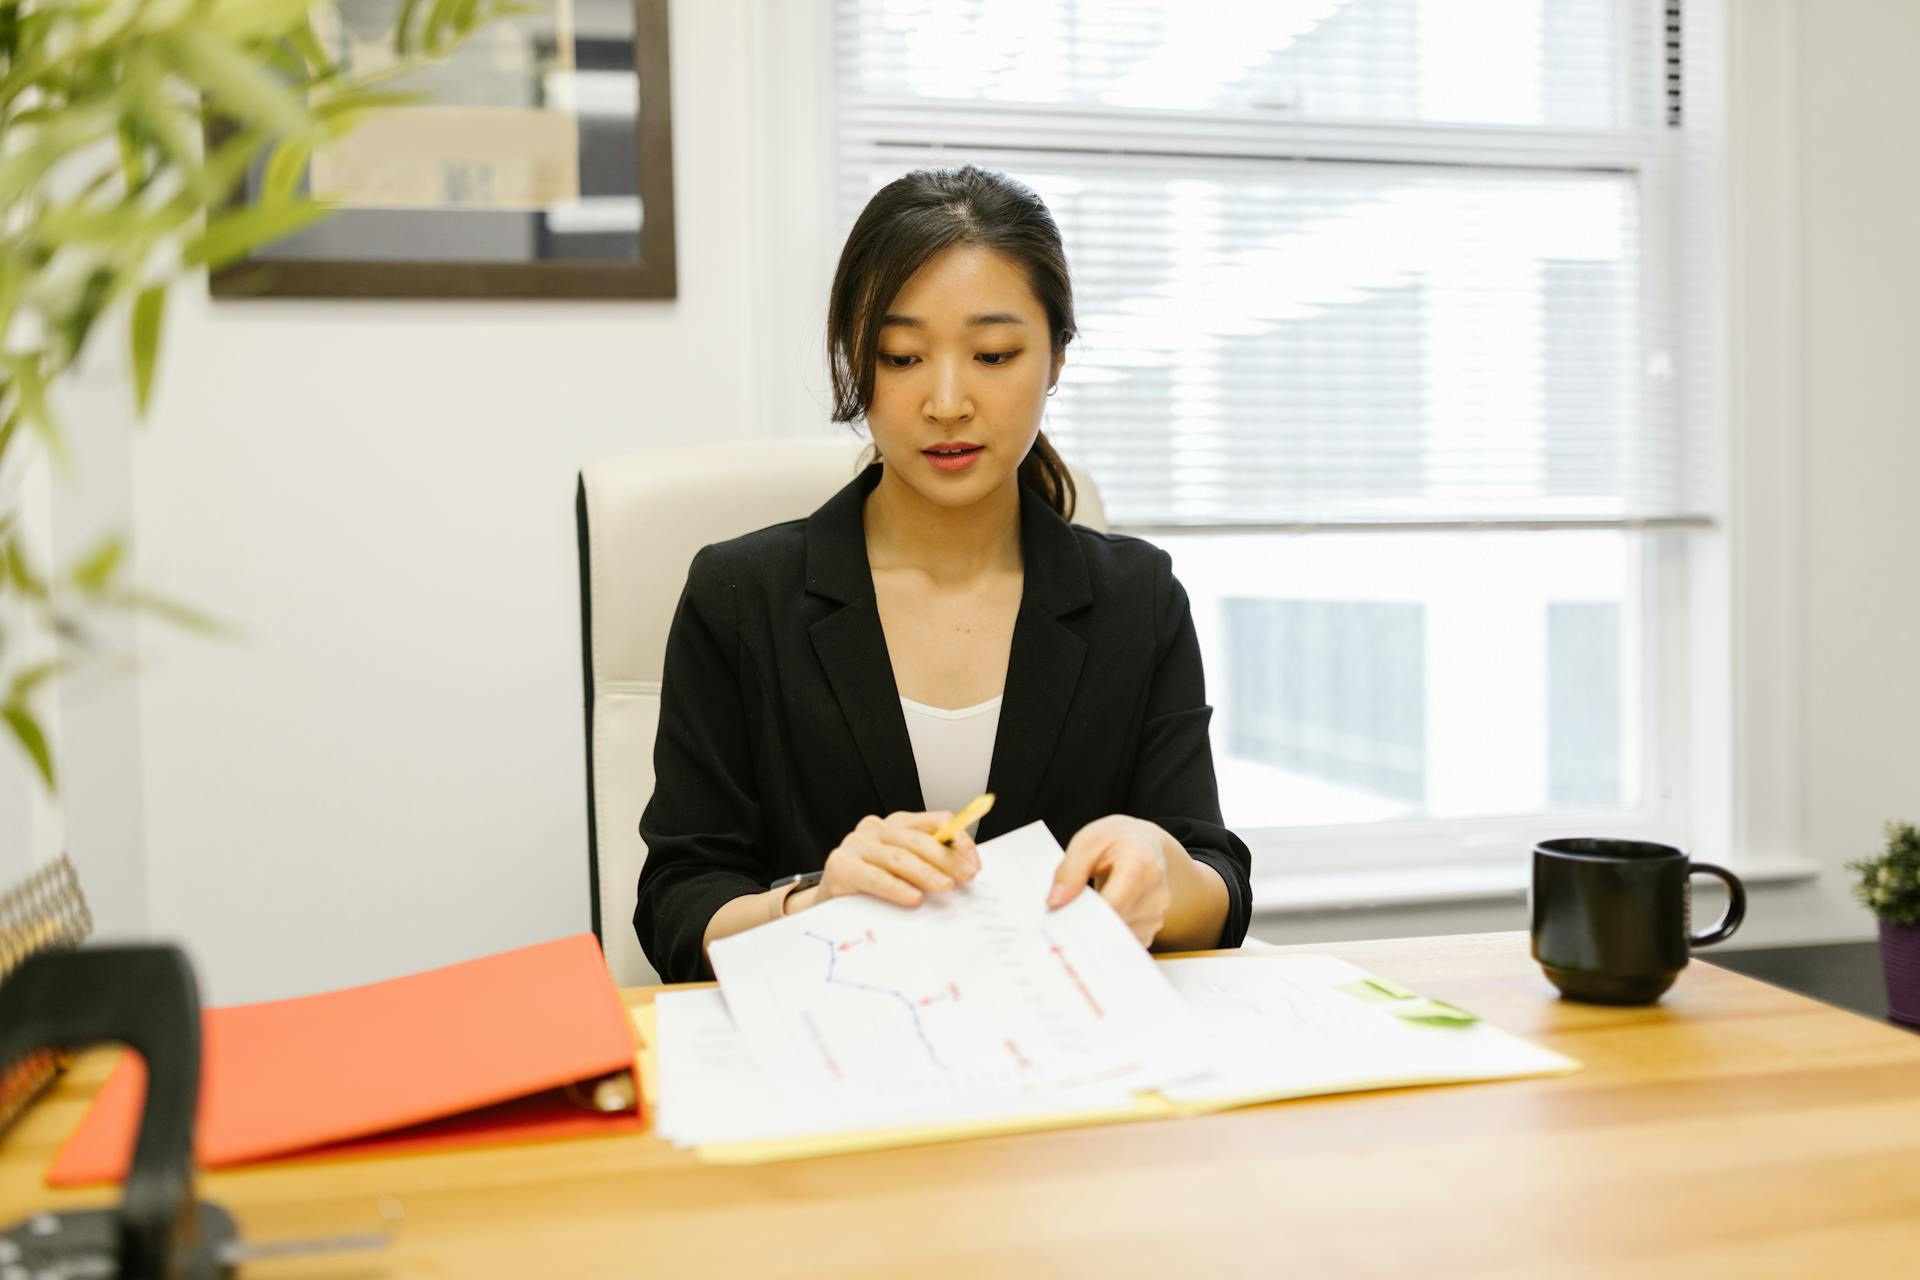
(979,1003)
(982,1011)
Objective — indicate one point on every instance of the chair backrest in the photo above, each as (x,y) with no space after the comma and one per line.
(642,517)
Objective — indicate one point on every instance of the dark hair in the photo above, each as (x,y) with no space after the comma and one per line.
(906,223)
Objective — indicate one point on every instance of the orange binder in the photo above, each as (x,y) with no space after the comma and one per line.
(471,1054)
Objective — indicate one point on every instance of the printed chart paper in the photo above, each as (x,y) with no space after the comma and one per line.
(713,1092)
(978,995)
(1281,1027)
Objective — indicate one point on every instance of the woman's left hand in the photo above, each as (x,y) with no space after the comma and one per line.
(1125,859)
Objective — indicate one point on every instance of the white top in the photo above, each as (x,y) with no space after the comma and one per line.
(953,750)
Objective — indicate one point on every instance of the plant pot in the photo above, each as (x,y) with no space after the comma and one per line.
(1900,956)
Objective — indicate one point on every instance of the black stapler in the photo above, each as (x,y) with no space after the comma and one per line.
(145,998)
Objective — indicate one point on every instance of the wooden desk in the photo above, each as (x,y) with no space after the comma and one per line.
(1732,1129)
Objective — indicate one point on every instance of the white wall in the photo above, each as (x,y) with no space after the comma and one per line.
(1860,281)
(385,772)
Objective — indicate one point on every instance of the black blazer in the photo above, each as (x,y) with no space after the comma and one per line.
(781,727)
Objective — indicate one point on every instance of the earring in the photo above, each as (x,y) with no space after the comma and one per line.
(1055,387)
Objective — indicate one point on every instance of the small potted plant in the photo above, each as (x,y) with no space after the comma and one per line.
(1890,886)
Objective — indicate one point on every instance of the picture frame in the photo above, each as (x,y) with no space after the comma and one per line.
(510,181)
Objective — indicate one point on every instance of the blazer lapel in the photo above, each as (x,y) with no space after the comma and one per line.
(1043,669)
(852,647)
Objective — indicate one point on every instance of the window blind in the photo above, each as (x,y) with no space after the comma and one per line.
(1341,262)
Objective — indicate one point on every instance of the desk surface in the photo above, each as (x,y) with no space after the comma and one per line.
(1734,1128)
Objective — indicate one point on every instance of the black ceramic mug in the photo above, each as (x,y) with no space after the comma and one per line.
(1613,919)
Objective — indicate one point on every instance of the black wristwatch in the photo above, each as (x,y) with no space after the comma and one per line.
(791,885)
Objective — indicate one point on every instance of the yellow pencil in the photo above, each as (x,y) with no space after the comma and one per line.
(960,821)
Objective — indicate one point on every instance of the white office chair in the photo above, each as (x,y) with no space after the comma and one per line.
(642,516)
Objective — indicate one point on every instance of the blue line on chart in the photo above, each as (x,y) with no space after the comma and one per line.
(919,1029)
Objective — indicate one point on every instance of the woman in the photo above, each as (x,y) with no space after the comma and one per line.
(836,687)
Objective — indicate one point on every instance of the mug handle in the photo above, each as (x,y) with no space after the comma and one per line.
(1736,905)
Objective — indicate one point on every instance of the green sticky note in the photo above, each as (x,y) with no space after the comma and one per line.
(1391,988)
(1402,1003)
(1439,1011)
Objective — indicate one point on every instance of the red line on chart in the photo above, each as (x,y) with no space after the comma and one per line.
(1026,1064)
(951,993)
(848,946)
(1074,974)
(819,1043)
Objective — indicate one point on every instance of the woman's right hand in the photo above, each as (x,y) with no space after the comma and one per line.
(896,859)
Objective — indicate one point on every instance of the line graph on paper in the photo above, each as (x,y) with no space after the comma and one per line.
(913,1004)
(979,991)
(902,1008)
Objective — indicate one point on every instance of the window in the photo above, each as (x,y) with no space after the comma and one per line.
(1391,331)
(1360,725)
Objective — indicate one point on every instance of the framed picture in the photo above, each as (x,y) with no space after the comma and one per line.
(538,165)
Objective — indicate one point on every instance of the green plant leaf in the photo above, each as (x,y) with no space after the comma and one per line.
(95,571)
(1888,883)
(306,42)
(351,105)
(78,323)
(133,157)
(31,382)
(26,580)
(403,28)
(244,20)
(441,22)
(80,223)
(123,234)
(237,81)
(22,172)
(162,121)
(228,162)
(149,309)
(285,166)
(26,730)
(286,60)
(10,31)
(173,611)
(231,235)
(31,678)
(40,146)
